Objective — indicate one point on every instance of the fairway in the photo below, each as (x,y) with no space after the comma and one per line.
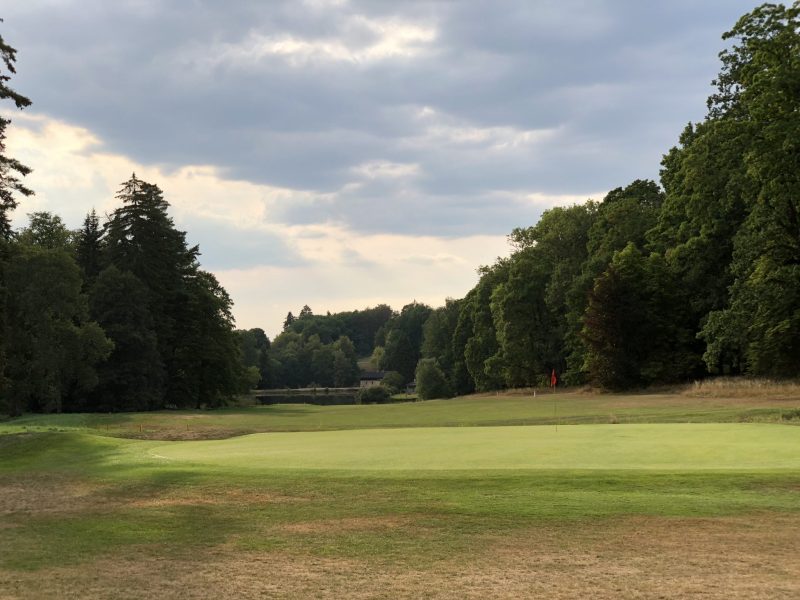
(678,447)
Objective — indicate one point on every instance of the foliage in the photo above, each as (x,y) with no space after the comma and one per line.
(297,360)
(46,230)
(631,322)
(254,348)
(431,381)
(53,347)
(393,381)
(758,97)
(133,378)
(360,326)
(373,395)
(404,333)
(89,247)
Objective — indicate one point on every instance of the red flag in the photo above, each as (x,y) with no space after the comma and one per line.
(553,379)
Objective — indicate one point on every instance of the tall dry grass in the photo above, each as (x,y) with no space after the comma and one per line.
(743,387)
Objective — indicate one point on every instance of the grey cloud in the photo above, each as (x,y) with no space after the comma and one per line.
(616,79)
(224,246)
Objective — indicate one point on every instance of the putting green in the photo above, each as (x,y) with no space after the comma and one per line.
(683,447)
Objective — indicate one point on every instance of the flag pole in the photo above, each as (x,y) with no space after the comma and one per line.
(553,380)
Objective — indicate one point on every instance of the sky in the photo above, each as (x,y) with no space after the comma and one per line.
(345,153)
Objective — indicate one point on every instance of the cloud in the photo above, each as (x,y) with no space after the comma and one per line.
(367,40)
(415,108)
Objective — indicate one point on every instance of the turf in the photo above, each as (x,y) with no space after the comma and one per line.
(679,447)
(404,511)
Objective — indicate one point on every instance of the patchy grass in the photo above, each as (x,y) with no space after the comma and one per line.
(610,511)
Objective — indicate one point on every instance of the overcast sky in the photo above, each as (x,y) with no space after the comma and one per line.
(346,153)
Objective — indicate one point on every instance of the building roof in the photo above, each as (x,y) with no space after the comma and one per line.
(372,375)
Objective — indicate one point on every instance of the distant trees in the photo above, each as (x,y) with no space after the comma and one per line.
(254,346)
(300,360)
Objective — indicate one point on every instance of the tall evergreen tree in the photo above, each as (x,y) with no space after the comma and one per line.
(133,377)
(10,168)
(190,311)
(88,247)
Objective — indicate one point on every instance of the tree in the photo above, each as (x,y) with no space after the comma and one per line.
(476,330)
(393,381)
(207,364)
(345,363)
(191,312)
(633,324)
(52,346)
(133,378)
(438,332)
(46,230)
(373,395)
(88,247)
(254,349)
(287,322)
(528,342)
(431,382)
(10,169)
(758,97)
(404,339)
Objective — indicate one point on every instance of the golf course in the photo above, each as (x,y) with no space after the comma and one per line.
(671,494)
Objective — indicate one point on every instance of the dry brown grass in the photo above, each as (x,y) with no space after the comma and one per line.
(742,387)
(753,557)
(382,523)
(48,494)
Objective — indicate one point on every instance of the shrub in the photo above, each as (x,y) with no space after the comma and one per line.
(393,382)
(373,395)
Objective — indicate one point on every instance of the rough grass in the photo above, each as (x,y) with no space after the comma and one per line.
(632,557)
(605,511)
(489,410)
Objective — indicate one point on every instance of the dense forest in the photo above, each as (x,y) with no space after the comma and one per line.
(655,283)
